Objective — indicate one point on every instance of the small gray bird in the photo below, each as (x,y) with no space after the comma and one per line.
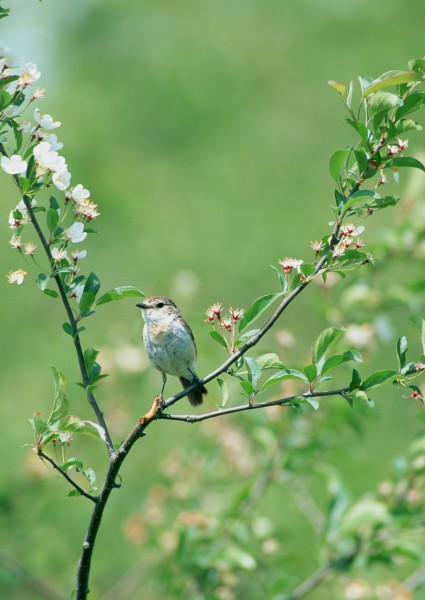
(170,345)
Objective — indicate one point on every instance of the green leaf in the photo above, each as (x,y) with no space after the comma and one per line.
(72,462)
(119,293)
(247,387)
(417,65)
(68,329)
(257,308)
(356,381)
(310,372)
(365,513)
(412,102)
(51,293)
(339,87)
(362,160)
(270,361)
(313,402)
(378,378)
(92,284)
(248,334)
(336,161)
(406,125)
(383,102)
(282,376)
(401,347)
(325,339)
(339,199)
(39,424)
(52,219)
(86,302)
(339,359)
(361,130)
(404,161)
(90,475)
(75,424)
(43,281)
(359,197)
(218,338)
(283,282)
(72,494)
(391,78)
(60,403)
(90,355)
(379,203)
(224,392)
(254,370)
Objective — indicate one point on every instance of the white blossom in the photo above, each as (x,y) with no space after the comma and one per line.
(78,255)
(29,74)
(48,159)
(24,126)
(52,139)
(59,254)
(45,121)
(38,93)
(42,154)
(77,292)
(80,194)
(75,233)
(16,241)
(11,111)
(30,248)
(62,179)
(88,210)
(16,276)
(14,165)
(288,264)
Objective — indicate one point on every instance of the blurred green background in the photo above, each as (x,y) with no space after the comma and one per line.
(203,130)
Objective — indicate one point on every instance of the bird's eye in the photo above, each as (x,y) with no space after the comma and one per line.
(160,305)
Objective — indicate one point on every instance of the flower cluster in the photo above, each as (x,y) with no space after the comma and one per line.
(289,266)
(226,325)
(347,241)
(34,161)
(83,206)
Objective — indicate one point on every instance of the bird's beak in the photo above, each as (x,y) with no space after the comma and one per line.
(141,305)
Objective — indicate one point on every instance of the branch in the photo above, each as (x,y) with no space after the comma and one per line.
(70,314)
(415,580)
(65,474)
(311,582)
(322,573)
(249,406)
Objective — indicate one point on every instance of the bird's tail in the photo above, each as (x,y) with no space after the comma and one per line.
(195,396)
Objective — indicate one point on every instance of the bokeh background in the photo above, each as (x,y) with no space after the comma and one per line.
(203,130)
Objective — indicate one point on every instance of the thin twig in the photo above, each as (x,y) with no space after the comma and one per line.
(66,476)
(191,418)
(416,579)
(311,582)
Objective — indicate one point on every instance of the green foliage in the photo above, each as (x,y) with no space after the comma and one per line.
(257,308)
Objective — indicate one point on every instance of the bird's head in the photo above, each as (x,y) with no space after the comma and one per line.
(157,308)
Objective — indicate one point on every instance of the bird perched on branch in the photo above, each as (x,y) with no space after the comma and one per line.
(170,344)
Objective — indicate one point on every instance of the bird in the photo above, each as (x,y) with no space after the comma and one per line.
(170,344)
